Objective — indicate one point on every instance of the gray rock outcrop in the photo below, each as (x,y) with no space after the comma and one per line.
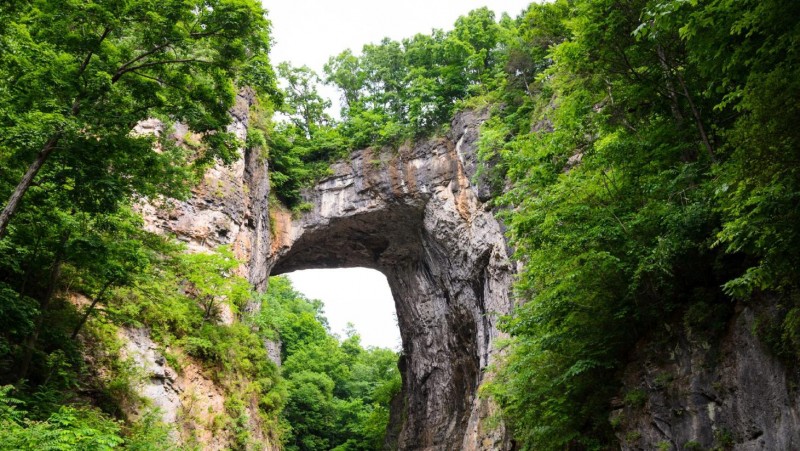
(159,382)
(228,207)
(721,393)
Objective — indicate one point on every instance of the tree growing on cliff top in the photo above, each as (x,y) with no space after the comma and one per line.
(77,76)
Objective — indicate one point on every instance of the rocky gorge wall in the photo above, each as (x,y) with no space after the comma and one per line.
(419,215)
(711,393)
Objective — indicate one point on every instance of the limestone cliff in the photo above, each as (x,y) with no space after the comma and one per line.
(701,392)
(229,207)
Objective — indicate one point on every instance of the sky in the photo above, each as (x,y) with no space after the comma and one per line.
(308,32)
(353,295)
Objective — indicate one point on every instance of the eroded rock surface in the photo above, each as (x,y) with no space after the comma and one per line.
(726,393)
(189,401)
(229,207)
(414,215)
(159,381)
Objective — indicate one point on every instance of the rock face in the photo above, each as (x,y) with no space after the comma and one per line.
(189,400)
(728,393)
(159,383)
(229,207)
(414,215)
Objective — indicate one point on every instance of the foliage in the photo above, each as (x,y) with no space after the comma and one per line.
(408,89)
(73,428)
(302,143)
(646,189)
(78,76)
(338,393)
(211,280)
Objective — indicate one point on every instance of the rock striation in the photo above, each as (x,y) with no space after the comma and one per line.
(228,207)
(413,214)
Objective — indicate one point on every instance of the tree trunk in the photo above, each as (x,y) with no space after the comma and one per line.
(55,274)
(91,307)
(13,202)
(698,121)
(209,308)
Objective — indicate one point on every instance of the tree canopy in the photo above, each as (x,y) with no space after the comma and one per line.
(78,76)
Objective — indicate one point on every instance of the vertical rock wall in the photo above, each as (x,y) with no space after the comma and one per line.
(229,207)
(704,392)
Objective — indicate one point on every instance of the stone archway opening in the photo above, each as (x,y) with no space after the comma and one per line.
(358,296)
(414,215)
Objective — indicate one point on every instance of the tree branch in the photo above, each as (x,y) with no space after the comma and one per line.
(22,187)
(122,72)
(88,58)
(698,120)
(100,296)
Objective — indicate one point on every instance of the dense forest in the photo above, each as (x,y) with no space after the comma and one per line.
(642,153)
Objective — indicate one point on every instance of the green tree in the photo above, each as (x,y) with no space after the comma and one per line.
(212,281)
(301,147)
(301,101)
(343,71)
(642,188)
(338,392)
(78,76)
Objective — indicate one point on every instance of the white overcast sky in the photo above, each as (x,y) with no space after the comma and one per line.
(308,32)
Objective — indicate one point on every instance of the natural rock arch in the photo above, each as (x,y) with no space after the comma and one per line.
(415,216)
